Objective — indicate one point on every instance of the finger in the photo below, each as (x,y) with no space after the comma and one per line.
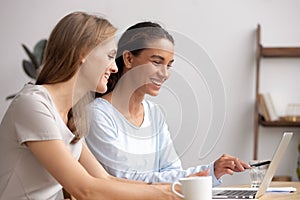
(202,173)
(239,167)
(227,171)
(234,164)
(228,164)
(243,165)
(246,166)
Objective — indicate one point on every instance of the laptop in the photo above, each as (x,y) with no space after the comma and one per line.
(255,193)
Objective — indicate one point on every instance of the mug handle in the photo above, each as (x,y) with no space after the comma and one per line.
(175,192)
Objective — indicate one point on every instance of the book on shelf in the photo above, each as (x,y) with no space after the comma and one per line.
(267,107)
(263,108)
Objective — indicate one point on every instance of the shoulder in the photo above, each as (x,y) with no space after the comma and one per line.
(101,110)
(150,104)
(101,104)
(32,96)
(154,109)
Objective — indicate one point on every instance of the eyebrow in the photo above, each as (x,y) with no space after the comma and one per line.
(160,57)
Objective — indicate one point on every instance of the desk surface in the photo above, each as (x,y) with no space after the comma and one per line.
(283,196)
(277,196)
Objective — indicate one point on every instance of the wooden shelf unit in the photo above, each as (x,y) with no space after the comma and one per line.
(277,52)
(279,123)
(269,52)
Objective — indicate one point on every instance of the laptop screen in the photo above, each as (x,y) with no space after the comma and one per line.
(256,193)
(286,138)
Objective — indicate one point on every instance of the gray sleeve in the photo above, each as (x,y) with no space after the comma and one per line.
(34,120)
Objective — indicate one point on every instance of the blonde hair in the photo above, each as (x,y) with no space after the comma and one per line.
(70,41)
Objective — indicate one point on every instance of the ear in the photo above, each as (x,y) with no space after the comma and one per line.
(127,58)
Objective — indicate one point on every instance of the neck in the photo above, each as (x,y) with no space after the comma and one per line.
(127,100)
(62,96)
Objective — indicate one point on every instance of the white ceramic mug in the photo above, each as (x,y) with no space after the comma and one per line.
(194,188)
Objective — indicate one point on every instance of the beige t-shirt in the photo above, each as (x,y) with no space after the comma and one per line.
(32,116)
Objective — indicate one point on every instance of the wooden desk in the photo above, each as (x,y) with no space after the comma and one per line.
(276,196)
(283,196)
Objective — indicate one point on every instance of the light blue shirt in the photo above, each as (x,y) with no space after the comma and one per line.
(144,153)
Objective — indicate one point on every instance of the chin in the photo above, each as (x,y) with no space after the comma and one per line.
(154,94)
(101,90)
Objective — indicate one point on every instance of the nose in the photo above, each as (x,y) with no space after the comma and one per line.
(164,72)
(113,67)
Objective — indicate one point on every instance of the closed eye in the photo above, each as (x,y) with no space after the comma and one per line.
(156,63)
(111,57)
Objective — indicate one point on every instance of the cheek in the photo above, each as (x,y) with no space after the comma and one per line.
(95,76)
(97,63)
(149,69)
(144,73)
(93,73)
(168,74)
(101,87)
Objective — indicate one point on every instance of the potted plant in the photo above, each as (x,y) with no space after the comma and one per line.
(32,66)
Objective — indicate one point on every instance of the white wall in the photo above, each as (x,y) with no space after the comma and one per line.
(225,29)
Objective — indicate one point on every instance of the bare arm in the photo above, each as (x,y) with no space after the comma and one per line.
(89,162)
(80,179)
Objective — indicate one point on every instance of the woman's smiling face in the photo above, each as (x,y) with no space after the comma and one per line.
(154,65)
(98,66)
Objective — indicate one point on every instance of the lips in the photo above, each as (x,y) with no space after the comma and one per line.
(106,76)
(156,82)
